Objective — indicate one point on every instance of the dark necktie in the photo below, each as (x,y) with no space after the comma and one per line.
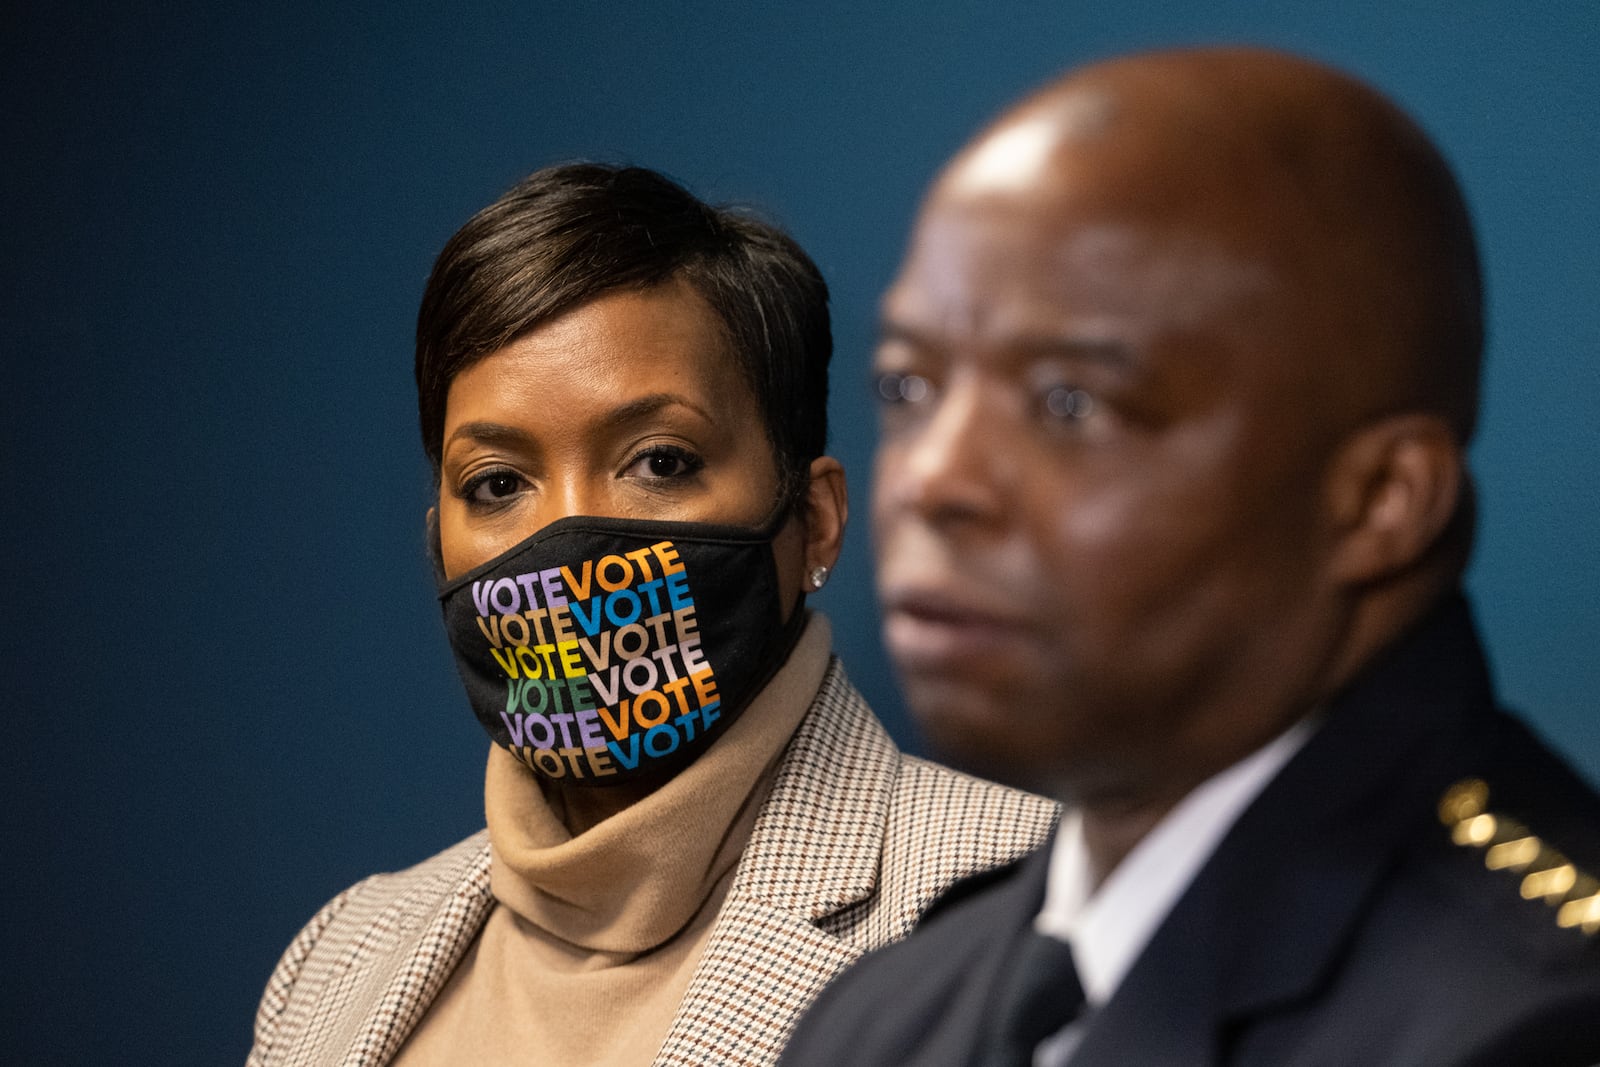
(1040,995)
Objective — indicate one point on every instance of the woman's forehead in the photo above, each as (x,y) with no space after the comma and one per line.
(626,349)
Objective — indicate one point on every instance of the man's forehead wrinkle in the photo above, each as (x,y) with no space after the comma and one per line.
(1097,279)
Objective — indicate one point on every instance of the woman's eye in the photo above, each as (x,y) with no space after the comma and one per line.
(895,388)
(662,464)
(1068,403)
(492,487)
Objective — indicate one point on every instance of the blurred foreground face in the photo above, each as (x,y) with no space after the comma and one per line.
(1095,497)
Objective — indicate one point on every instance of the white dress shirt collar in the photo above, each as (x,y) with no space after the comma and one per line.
(1109,928)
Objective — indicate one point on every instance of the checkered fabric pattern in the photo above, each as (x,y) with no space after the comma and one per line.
(853,844)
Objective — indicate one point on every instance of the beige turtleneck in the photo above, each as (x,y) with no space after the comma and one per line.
(593,938)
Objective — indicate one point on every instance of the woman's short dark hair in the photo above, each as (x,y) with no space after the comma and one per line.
(567,234)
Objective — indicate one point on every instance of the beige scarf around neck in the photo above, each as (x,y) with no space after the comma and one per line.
(595,936)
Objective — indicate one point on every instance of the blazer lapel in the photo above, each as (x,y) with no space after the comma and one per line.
(760,970)
(813,853)
(435,925)
(1257,930)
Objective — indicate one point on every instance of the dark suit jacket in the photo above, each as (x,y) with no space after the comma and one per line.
(1338,921)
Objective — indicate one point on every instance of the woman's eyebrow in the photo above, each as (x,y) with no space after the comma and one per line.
(486,432)
(645,406)
(489,433)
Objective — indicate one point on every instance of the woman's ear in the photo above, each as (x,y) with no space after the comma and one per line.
(827,509)
(1392,491)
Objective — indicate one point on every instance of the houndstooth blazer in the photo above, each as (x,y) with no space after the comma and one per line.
(854,842)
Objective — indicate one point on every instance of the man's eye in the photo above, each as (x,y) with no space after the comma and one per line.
(1067,402)
(893,388)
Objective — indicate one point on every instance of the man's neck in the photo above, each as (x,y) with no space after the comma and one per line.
(1115,822)
(1112,829)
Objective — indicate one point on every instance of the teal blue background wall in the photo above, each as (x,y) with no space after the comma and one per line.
(226,693)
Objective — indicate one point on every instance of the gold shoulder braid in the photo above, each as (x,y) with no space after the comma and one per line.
(1509,846)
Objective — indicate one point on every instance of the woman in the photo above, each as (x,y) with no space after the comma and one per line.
(693,819)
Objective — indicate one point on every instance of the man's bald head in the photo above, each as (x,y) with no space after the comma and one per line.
(1283,159)
(1178,374)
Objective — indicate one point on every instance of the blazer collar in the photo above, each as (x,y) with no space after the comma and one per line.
(1263,920)
(437,922)
(830,799)
(814,851)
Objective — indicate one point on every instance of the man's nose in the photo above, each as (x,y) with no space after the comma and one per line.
(954,467)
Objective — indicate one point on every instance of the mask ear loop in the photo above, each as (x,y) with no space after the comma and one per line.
(791,501)
(435,547)
(789,504)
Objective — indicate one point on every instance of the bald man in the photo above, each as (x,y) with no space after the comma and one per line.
(1171,513)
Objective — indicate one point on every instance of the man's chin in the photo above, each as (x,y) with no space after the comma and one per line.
(973,730)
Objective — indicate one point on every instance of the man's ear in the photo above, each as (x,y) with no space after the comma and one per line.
(827,509)
(1391,492)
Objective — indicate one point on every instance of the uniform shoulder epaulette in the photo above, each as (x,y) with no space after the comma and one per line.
(1509,846)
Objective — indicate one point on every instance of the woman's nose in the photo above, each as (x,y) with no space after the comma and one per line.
(567,497)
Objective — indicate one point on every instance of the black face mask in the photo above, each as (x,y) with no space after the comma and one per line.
(604,651)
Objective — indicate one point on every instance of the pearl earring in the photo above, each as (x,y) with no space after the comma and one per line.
(819,577)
